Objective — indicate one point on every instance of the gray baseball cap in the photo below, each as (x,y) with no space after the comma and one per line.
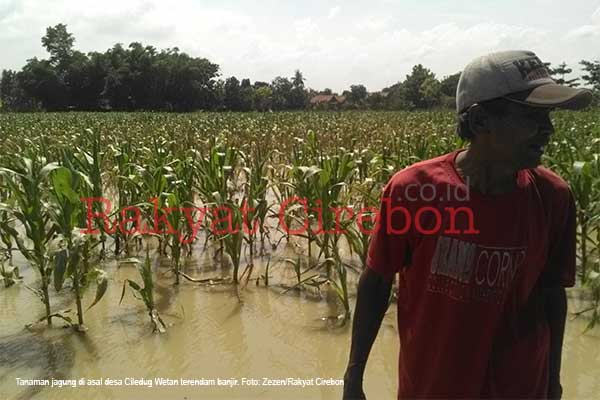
(517,75)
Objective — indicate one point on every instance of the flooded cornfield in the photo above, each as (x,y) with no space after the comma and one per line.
(215,337)
(121,225)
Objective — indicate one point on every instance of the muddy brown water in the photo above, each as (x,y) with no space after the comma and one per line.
(212,335)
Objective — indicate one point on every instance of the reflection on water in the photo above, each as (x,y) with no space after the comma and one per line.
(212,334)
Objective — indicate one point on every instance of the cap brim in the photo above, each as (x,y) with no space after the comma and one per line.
(554,96)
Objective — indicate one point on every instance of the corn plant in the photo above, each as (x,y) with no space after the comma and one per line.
(215,182)
(281,176)
(255,188)
(26,177)
(282,155)
(127,188)
(90,165)
(186,176)
(176,219)
(233,236)
(584,178)
(324,186)
(9,274)
(145,292)
(364,194)
(66,211)
(5,219)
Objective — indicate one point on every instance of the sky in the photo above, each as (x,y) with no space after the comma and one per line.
(333,43)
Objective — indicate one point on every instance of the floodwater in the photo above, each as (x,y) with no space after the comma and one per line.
(212,334)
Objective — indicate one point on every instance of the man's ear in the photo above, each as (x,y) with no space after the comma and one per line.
(479,120)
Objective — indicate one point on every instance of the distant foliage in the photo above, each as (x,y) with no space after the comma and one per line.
(141,78)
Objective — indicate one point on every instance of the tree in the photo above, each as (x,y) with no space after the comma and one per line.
(12,95)
(431,92)
(449,84)
(117,88)
(357,95)
(246,95)
(40,80)
(376,101)
(282,89)
(59,43)
(146,91)
(298,80)
(396,99)
(262,97)
(592,76)
(232,94)
(562,70)
(84,81)
(327,91)
(412,86)
(298,98)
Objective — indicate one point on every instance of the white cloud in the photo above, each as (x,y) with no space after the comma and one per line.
(330,48)
(374,24)
(588,30)
(584,31)
(7,8)
(333,11)
(596,16)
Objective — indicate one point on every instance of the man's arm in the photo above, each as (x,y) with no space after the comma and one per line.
(560,273)
(556,313)
(371,304)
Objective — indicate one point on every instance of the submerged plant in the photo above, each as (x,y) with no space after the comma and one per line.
(9,274)
(145,292)
(26,177)
(67,213)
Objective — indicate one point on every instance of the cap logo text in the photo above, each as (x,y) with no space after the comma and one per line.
(531,68)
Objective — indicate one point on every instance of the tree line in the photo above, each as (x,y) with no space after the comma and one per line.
(141,77)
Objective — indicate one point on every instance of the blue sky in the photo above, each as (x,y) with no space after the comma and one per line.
(334,43)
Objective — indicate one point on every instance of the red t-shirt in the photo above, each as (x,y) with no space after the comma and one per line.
(470,314)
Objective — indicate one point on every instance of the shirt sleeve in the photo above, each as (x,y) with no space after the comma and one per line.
(389,248)
(561,263)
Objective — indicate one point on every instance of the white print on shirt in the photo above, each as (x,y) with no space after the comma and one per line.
(465,270)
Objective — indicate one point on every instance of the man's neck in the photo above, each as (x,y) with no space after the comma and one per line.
(485,175)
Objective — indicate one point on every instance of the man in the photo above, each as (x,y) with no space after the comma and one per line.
(481,298)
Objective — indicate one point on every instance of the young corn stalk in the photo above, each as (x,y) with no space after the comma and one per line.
(580,175)
(67,213)
(365,194)
(145,292)
(27,180)
(8,274)
(90,165)
(125,181)
(255,203)
(289,178)
(5,219)
(186,177)
(582,184)
(282,175)
(215,173)
(177,221)
(329,185)
(233,236)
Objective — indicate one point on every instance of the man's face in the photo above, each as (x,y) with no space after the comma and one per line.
(519,135)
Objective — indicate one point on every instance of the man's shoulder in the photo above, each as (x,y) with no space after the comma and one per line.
(554,191)
(432,170)
(549,181)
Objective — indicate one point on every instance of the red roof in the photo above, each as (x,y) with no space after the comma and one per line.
(327,98)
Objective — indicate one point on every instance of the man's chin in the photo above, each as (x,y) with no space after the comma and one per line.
(532,163)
